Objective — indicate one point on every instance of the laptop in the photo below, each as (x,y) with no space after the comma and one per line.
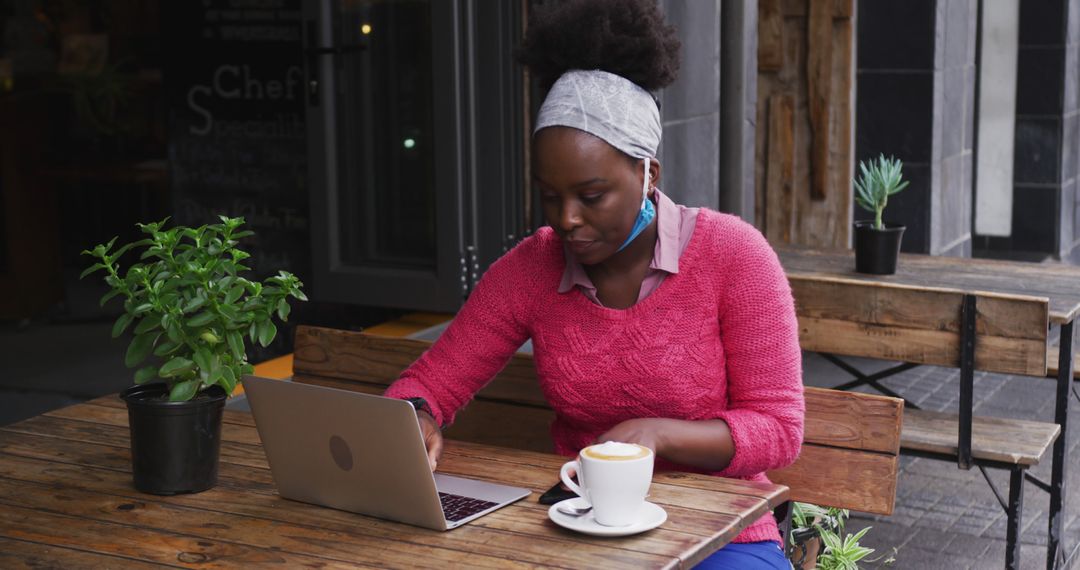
(361,453)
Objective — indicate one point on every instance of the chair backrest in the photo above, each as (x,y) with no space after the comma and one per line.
(921,325)
(850,454)
(850,451)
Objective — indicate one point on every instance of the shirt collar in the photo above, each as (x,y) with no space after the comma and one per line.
(665,254)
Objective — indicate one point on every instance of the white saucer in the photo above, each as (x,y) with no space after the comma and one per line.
(652,516)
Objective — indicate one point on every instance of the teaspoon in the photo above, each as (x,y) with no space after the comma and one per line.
(573,511)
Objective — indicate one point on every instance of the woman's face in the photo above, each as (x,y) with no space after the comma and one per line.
(590,192)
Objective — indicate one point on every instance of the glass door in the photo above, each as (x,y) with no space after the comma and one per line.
(382,125)
(416,147)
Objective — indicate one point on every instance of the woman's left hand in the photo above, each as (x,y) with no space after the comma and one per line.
(706,444)
(642,431)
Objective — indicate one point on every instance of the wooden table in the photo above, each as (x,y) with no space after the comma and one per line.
(67,500)
(1058,283)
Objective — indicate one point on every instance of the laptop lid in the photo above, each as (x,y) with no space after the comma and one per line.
(355,452)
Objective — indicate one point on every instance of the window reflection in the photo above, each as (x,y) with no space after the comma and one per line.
(386,146)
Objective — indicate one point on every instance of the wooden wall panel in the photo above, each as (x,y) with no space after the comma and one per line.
(817,73)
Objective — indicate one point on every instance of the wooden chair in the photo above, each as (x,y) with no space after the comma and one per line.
(941,327)
(850,450)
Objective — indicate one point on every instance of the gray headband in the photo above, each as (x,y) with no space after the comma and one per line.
(605,105)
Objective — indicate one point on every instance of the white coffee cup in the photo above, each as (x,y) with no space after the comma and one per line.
(614,477)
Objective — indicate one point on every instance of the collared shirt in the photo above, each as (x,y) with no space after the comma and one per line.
(675,225)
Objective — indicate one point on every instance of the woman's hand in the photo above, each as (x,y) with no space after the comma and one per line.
(433,439)
(642,431)
(706,444)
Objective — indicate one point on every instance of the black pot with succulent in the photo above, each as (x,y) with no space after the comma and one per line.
(877,243)
(191,310)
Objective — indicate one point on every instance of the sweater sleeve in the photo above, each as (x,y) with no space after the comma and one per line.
(481,339)
(759,331)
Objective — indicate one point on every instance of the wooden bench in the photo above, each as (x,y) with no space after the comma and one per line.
(850,451)
(942,327)
(1053,355)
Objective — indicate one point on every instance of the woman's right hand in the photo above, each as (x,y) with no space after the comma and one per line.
(433,439)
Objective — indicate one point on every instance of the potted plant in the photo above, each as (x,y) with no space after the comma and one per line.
(877,244)
(190,310)
(818,540)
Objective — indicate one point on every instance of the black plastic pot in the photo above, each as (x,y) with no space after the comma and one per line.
(174,445)
(876,251)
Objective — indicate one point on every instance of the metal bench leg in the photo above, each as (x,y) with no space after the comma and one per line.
(967,381)
(783,517)
(1014,512)
(1055,547)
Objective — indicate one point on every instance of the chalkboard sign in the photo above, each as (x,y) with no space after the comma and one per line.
(234,78)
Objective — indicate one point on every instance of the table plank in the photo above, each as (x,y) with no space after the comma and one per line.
(90,432)
(229,416)
(485,534)
(296,543)
(81,452)
(143,544)
(23,555)
(233,432)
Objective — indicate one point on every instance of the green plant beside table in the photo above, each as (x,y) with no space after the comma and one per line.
(877,243)
(193,312)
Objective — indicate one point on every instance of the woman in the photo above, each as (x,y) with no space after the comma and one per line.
(652,323)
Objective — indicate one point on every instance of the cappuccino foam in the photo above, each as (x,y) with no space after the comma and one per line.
(616,451)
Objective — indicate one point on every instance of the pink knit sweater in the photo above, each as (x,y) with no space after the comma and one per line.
(719,339)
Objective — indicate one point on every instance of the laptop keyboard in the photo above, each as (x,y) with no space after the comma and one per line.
(456,507)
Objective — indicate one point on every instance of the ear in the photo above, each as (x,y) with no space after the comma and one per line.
(654,172)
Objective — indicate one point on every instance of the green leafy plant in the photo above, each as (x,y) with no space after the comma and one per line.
(190,306)
(877,181)
(841,551)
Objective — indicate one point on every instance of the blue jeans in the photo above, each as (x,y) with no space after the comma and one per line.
(765,555)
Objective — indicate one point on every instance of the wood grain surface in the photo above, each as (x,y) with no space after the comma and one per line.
(1056,282)
(1018,442)
(67,500)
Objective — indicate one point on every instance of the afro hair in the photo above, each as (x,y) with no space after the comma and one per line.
(625,37)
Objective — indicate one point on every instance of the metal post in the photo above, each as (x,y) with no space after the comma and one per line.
(967,380)
(1014,512)
(1054,543)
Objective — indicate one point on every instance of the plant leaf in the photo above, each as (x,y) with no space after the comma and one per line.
(166,348)
(234,294)
(146,374)
(236,344)
(227,380)
(147,324)
(121,324)
(105,298)
(139,349)
(283,310)
(229,312)
(175,366)
(267,332)
(175,332)
(201,319)
(91,269)
(195,303)
(202,359)
(183,391)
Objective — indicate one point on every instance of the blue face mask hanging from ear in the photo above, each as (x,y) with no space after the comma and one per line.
(645,214)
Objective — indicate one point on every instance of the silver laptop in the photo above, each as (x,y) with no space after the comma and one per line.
(361,453)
